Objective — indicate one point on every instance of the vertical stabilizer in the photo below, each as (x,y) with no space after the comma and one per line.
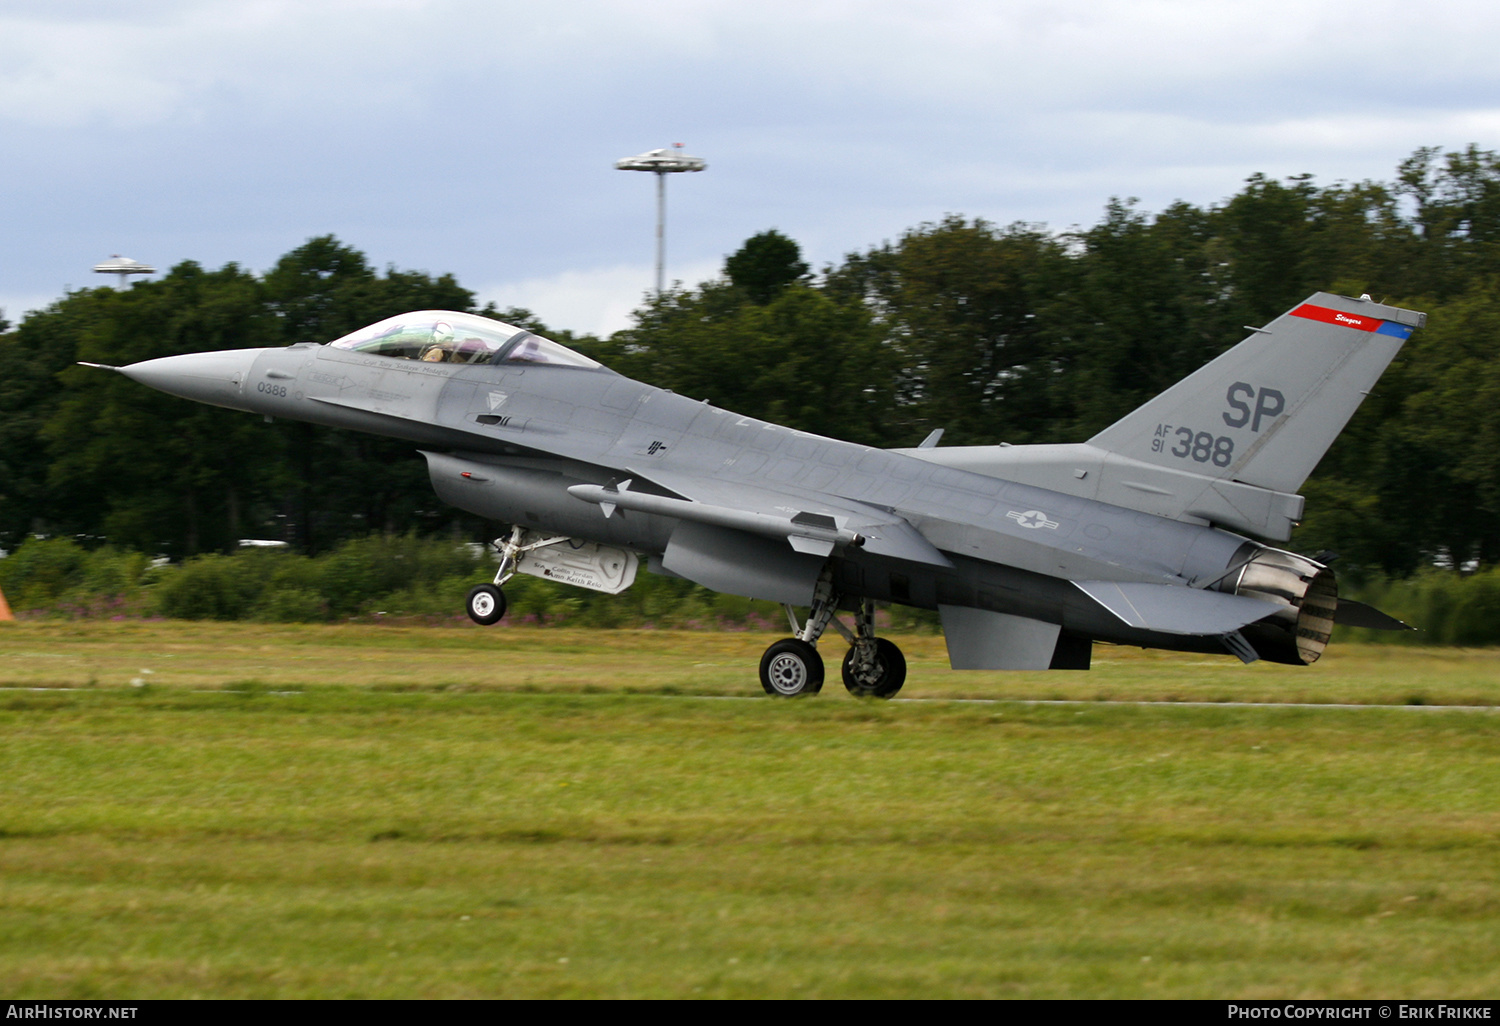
(1266,411)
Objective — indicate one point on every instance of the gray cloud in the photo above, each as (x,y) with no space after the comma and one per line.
(477,137)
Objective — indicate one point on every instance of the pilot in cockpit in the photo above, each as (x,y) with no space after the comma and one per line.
(441,345)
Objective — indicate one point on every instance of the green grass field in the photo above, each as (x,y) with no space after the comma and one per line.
(376,811)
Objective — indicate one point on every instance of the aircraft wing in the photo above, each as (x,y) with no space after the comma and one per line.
(758,542)
(811,524)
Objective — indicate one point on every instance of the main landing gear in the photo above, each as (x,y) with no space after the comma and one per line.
(873,667)
(486,602)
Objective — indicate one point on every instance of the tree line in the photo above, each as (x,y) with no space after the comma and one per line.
(1014,333)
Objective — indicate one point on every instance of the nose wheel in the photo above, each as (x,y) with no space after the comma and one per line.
(486,604)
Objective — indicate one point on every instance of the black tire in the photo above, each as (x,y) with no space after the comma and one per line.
(485,604)
(889,675)
(791,668)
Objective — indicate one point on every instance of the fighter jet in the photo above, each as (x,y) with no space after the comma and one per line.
(1030,553)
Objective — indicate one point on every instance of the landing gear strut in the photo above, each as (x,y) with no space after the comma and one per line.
(486,602)
(873,668)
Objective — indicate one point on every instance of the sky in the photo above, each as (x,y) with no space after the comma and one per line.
(478,137)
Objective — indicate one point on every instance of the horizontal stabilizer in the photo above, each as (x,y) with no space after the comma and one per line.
(1173,609)
(1357,614)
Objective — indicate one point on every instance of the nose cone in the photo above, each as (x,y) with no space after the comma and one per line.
(213,378)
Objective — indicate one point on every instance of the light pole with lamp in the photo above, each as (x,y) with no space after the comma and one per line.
(661,163)
(124,267)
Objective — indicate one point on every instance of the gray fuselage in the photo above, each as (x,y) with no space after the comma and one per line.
(536,430)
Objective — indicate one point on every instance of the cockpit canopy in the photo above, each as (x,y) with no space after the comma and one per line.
(445,336)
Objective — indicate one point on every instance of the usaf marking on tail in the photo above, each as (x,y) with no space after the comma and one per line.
(1030,553)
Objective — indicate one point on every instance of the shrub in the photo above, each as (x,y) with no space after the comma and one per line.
(290,605)
(41,572)
(1446,607)
(358,574)
(216,587)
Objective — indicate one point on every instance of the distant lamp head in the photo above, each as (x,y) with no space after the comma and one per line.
(662,161)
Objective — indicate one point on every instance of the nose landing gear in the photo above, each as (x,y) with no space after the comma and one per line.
(873,667)
(486,602)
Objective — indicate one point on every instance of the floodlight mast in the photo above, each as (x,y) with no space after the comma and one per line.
(124,267)
(661,163)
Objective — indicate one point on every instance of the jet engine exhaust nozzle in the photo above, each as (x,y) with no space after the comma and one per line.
(1309,595)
